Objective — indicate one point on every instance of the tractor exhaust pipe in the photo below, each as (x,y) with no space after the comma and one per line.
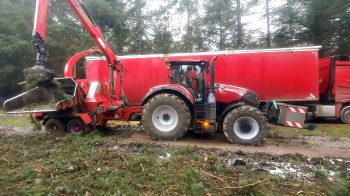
(212,75)
(210,106)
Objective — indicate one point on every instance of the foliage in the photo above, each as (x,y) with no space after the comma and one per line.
(94,165)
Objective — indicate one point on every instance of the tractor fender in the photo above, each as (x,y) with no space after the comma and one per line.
(175,89)
(228,108)
(248,98)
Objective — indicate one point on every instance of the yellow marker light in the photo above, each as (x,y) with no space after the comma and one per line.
(206,124)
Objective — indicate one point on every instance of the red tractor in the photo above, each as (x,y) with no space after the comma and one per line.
(187,97)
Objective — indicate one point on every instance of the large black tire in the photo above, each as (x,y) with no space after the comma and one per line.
(77,127)
(54,125)
(345,114)
(166,117)
(245,125)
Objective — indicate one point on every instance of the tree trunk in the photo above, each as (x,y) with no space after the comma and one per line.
(239,25)
(268,32)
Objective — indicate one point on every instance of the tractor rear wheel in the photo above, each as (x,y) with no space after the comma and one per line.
(54,125)
(166,117)
(245,125)
(77,127)
(345,115)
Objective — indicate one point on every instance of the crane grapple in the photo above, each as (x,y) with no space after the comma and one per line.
(38,75)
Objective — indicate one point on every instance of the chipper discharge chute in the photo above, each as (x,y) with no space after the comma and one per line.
(60,95)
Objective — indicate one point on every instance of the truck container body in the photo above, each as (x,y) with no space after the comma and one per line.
(281,74)
(291,75)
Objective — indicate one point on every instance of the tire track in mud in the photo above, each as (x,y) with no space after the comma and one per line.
(312,146)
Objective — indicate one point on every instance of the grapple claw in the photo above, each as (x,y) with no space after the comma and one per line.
(38,75)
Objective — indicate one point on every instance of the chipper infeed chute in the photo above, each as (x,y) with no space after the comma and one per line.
(43,99)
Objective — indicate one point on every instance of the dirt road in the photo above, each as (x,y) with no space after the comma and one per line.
(313,146)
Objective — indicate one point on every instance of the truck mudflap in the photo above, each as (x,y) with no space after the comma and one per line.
(42,99)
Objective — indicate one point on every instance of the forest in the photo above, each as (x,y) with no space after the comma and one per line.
(170,26)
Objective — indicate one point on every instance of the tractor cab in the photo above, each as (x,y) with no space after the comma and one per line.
(190,74)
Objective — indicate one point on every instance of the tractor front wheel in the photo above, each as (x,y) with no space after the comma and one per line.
(77,127)
(166,117)
(245,125)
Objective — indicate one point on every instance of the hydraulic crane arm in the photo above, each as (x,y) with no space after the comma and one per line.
(39,35)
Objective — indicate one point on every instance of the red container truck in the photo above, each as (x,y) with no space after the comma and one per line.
(290,75)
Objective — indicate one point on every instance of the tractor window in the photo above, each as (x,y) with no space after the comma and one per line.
(191,77)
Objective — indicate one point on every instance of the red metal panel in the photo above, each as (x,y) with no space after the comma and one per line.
(86,118)
(324,75)
(279,75)
(70,65)
(97,70)
(143,74)
(342,79)
(40,18)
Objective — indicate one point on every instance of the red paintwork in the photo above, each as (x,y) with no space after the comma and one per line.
(137,89)
(177,87)
(69,67)
(127,112)
(104,98)
(280,76)
(324,74)
(86,118)
(342,78)
(37,114)
(341,88)
(94,31)
(227,93)
(40,18)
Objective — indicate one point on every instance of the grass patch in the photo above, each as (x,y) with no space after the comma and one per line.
(341,188)
(20,121)
(70,165)
(332,130)
(321,174)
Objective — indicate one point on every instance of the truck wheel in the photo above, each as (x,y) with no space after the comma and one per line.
(166,117)
(54,125)
(77,127)
(245,125)
(345,115)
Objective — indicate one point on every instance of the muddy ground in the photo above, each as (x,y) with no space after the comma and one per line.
(124,160)
(277,143)
(313,146)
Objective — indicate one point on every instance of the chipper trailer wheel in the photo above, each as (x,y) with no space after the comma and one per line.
(54,125)
(245,125)
(77,127)
(166,117)
(345,114)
